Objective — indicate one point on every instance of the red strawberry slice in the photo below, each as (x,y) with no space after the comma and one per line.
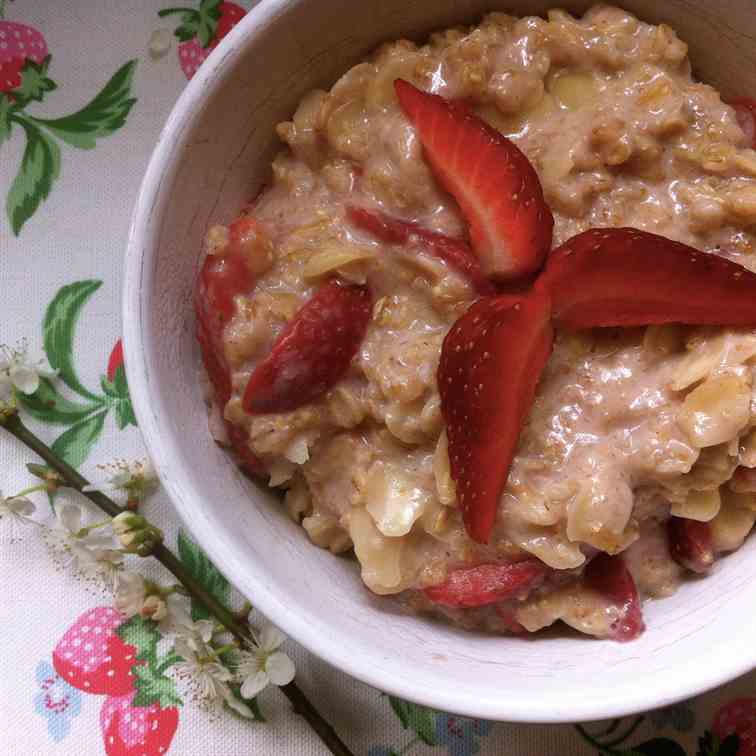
(745,112)
(487,584)
(313,352)
(129,730)
(626,277)
(690,543)
(490,364)
(18,44)
(92,657)
(202,30)
(609,576)
(494,183)
(222,278)
(456,253)
(738,717)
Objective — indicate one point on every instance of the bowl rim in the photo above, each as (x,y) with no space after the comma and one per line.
(669,686)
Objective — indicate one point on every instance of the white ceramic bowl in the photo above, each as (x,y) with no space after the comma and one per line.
(212,155)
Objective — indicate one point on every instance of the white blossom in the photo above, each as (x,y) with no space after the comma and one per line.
(177,617)
(264,664)
(17,510)
(101,564)
(129,593)
(136,478)
(18,372)
(70,537)
(154,608)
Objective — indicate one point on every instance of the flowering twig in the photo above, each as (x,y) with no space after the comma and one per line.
(239,628)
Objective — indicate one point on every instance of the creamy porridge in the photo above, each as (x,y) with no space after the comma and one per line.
(636,462)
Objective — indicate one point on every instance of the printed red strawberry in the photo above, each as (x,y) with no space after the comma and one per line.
(491,361)
(92,657)
(223,277)
(738,717)
(745,112)
(19,44)
(494,183)
(690,543)
(609,576)
(115,362)
(129,730)
(487,584)
(313,352)
(456,253)
(201,30)
(626,277)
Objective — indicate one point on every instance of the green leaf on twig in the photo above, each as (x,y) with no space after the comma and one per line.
(204,571)
(40,166)
(58,331)
(105,114)
(75,444)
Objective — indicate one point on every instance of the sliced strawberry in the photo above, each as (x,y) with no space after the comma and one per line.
(487,584)
(690,543)
(313,352)
(745,112)
(456,253)
(626,277)
(609,576)
(490,364)
(222,278)
(494,183)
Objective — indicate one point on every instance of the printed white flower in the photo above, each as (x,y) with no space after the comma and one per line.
(17,510)
(264,664)
(71,537)
(160,43)
(129,593)
(18,372)
(137,479)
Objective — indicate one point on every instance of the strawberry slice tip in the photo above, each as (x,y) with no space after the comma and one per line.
(627,277)
(485,584)
(495,185)
(491,361)
(313,352)
(456,253)
(690,543)
(608,576)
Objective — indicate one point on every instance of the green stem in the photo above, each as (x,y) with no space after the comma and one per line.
(168,661)
(299,701)
(30,490)
(225,649)
(2,8)
(188,13)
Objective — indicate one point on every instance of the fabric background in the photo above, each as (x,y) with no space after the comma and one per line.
(79,234)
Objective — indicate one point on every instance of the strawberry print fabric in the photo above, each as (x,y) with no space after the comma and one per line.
(85,87)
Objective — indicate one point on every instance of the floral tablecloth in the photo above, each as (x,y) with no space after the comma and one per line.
(85,86)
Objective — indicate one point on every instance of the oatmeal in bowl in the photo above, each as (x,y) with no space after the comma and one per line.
(489,327)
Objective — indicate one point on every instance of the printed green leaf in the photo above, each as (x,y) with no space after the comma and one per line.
(107,387)
(120,383)
(105,114)
(657,747)
(124,414)
(417,718)
(58,331)
(49,406)
(75,444)
(201,24)
(40,166)
(154,687)
(34,82)
(204,571)
(5,119)
(143,635)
